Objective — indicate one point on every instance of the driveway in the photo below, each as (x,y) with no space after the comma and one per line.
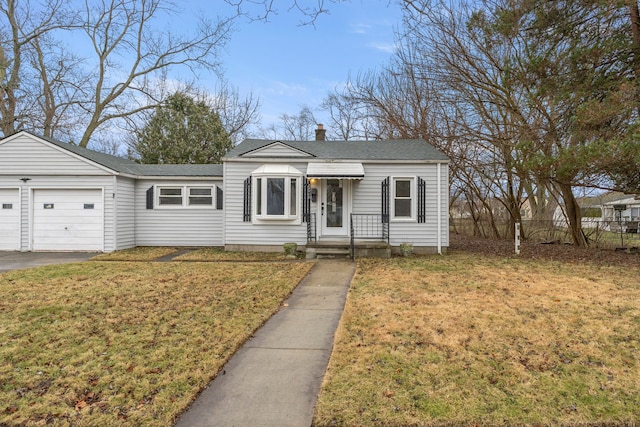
(19,260)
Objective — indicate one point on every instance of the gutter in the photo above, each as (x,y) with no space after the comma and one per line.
(439,193)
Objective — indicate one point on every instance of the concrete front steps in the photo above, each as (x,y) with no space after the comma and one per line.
(342,249)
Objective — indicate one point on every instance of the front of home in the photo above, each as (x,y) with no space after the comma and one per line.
(57,196)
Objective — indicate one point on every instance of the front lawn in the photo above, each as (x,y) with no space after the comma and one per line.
(470,339)
(118,343)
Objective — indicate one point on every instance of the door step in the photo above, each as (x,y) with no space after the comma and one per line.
(333,253)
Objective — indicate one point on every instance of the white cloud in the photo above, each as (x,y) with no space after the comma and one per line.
(383,46)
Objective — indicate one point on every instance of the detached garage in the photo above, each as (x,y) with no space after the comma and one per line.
(67,220)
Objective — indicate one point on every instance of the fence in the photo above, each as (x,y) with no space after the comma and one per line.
(600,234)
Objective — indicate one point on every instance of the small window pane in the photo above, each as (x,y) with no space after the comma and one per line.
(171,201)
(403,208)
(403,188)
(200,197)
(170,197)
(200,191)
(293,197)
(259,196)
(7,206)
(275,196)
(88,205)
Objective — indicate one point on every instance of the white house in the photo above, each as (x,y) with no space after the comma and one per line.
(57,196)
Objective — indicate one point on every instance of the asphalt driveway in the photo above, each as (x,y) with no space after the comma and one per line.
(19,260)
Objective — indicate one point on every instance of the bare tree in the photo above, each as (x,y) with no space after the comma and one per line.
(129,54)
(23,27)
(236,112)
(262,10)
(296,127)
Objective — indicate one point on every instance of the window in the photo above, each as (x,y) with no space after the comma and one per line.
(276,192)
(186,197)
(170,197)
(200,197)
(403,196)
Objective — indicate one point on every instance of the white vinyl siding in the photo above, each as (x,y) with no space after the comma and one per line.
(125,213)
(26,156)
(366,196)
(177,225)
(9,219)
(67,220)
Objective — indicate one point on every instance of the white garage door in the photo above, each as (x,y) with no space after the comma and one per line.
(9,219)
(67,220)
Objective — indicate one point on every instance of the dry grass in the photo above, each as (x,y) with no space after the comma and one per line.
(466,339)
(217,254)
(117,343)
(140,253)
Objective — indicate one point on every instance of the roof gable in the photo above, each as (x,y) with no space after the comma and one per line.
(276,149)
(37,155)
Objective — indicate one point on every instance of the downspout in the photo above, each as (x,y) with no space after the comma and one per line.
(439,214)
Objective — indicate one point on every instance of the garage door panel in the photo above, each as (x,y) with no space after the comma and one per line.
(9,219)
(68,220)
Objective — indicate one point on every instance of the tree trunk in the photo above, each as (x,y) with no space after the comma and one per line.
(574,216)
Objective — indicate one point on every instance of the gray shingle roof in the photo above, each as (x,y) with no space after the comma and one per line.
(180,170)
(122,165)
(401,149)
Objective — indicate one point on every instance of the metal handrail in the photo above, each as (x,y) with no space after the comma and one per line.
(311,228)
(367,226)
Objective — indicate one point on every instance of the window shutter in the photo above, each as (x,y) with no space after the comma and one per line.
(306,200)
(422,200)
(247,200)
(150,198)
(385,200)
(218,197)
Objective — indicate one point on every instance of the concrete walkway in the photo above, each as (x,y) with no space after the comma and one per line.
(274,379)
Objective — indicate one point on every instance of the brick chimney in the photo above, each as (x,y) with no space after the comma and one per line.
(321,133)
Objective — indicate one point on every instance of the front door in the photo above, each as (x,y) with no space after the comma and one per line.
(334,208)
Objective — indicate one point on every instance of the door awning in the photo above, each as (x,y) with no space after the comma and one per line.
(335,170)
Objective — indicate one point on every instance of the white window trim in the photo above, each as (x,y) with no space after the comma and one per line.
(287,217)
(185,197)
(413,217)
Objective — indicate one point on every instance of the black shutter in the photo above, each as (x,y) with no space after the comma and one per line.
(422,200)
(218,198)
(306,200)
(247,200)
(385,200)
(150,198)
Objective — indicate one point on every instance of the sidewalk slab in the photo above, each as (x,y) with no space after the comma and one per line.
(274,379)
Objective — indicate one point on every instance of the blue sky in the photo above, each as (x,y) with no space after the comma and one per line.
(287,65)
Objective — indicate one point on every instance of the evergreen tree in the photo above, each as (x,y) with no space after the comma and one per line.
(182,131)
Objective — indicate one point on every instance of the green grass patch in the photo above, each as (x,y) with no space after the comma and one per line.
(470,339)
(119,343)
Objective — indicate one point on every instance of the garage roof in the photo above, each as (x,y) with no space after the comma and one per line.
(122,165)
